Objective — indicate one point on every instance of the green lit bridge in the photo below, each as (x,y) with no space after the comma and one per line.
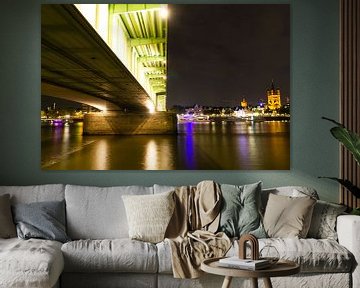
(111,57)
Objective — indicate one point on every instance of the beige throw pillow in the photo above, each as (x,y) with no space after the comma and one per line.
(149,215)
(7,226)
(288,217)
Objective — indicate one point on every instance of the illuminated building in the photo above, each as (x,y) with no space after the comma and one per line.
(273,96)
(244,103)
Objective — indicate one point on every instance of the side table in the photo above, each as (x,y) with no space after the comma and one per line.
(281,268)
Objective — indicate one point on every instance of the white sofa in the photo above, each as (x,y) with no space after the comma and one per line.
(101,254)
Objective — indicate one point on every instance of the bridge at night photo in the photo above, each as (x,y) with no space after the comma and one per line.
(165,87)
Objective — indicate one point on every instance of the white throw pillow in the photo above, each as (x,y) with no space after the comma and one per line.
(149,215)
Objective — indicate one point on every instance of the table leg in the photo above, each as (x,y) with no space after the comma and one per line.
(267,283)
(254,282)
(227,282)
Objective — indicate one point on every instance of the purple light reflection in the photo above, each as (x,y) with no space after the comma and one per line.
(189,146)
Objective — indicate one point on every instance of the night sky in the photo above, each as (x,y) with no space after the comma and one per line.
(219,54)
(47,101)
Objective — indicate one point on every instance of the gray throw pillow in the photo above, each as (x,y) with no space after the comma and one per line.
(323,222)
(44,220)
(7,226)
(240,213)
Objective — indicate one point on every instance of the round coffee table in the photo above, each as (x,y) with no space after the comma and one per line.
(281,268)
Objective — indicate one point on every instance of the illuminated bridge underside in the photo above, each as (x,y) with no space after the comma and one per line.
(75,58)
(77,65)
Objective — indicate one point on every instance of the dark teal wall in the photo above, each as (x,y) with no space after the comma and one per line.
(314,89)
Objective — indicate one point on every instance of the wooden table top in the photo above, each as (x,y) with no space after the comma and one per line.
(281,268)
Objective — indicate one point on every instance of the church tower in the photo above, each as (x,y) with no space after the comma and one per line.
(273,96)
(244,103)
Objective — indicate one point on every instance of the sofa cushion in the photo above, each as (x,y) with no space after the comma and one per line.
(240,210)
(36,193)
(30,263)
(323,222)
(7,226)
(116,255)
(43,220)
(149,215)
(164,257)
(313,255)
(109,280)
(163,188)
(98,213)
(287,216)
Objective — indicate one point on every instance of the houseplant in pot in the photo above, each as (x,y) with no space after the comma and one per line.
(351,142)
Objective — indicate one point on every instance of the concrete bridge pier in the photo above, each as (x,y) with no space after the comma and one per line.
(116,122)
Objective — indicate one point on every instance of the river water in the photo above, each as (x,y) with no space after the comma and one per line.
(198,146)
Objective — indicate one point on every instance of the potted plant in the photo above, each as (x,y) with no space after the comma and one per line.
(351,141)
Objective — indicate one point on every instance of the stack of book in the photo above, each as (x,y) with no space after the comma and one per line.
(248,264)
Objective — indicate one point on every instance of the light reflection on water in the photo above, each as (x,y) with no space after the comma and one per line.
(201,146)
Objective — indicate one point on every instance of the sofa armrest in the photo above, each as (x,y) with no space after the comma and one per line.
(348,230)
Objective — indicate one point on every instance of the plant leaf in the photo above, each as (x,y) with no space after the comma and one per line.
(349,139)
(347,184)
(333,121)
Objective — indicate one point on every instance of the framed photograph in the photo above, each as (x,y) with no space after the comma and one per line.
(165,87)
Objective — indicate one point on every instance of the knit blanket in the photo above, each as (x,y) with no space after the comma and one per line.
(191,232)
